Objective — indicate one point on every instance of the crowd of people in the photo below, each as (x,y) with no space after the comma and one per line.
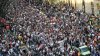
(48,30)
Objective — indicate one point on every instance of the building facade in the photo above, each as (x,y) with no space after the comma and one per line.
(78,4)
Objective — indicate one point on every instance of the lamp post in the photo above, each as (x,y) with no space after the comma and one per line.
(92,7)
(83,6)
(98,7)
(69,2)
(75,4)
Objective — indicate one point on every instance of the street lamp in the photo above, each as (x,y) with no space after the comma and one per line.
(75,4)
(83,6)
(92,7)
(69,2)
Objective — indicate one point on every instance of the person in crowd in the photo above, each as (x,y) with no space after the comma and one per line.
(48,30)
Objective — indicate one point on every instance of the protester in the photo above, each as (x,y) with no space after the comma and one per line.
(47,30)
